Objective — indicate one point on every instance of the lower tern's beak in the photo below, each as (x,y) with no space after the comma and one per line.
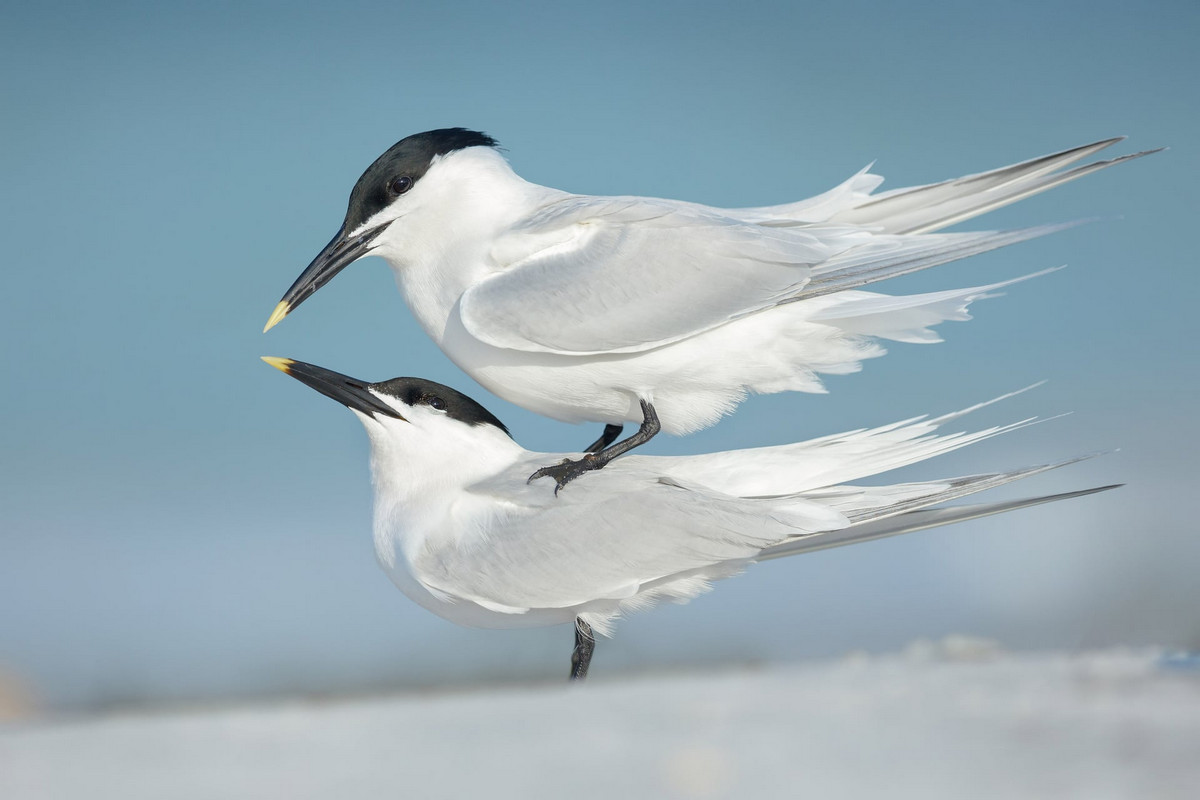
(336,256)
(350,392)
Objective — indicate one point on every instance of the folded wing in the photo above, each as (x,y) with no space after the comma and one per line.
(594,275)
(588,276)
(614,533)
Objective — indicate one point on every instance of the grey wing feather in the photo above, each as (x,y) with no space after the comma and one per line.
(920,209)
(635,276)
(911,521)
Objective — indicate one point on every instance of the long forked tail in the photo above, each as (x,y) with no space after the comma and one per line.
(921,209)
(910,521)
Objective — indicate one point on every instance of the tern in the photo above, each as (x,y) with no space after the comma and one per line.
(460,530)
(658,312)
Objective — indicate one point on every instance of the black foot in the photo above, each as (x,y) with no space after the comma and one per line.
(569,470)
(566,471)
(585,645)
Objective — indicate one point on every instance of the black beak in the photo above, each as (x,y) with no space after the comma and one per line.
(336,256)
(348,391)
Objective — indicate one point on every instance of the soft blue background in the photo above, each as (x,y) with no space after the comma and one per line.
(182,522)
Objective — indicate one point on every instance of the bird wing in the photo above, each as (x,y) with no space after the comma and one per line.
(590,275)
(603,538)
(625,535)
(624,274)
(917,209)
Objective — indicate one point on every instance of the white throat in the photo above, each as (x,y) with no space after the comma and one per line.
(420,471)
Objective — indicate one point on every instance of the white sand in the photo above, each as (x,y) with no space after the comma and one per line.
(949,721)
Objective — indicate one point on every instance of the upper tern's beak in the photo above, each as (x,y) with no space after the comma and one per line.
(337,255)
(350,392)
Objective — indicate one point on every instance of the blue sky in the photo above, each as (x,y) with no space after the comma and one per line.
(178,520)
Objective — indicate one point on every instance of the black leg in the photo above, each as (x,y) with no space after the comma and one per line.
(569,470)
(611,432)
(581,656)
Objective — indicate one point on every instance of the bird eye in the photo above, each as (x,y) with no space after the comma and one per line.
(436,403)
(400,185)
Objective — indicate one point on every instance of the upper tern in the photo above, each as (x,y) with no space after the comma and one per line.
(461,531)
(659,312)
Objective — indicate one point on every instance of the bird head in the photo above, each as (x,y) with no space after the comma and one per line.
(391,188)
(415,426)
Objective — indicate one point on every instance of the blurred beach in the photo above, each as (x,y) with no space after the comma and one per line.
(951,719)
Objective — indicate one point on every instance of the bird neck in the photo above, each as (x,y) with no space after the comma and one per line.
(431,467)
(421,483)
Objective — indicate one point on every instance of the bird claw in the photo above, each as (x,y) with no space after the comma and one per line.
(565,471)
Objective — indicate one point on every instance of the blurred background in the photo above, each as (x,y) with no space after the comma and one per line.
(180,523)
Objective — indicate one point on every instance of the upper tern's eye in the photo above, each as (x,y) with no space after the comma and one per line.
(400,185)
(436,402)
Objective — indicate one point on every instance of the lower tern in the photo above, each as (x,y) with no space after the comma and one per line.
(658,312)
(461,531)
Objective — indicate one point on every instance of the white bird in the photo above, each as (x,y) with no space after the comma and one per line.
(658,312)
(462,532)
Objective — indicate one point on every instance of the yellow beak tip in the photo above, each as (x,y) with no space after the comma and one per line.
(280,364)
(278,314)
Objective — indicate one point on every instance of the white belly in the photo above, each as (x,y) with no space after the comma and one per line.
(692,383)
